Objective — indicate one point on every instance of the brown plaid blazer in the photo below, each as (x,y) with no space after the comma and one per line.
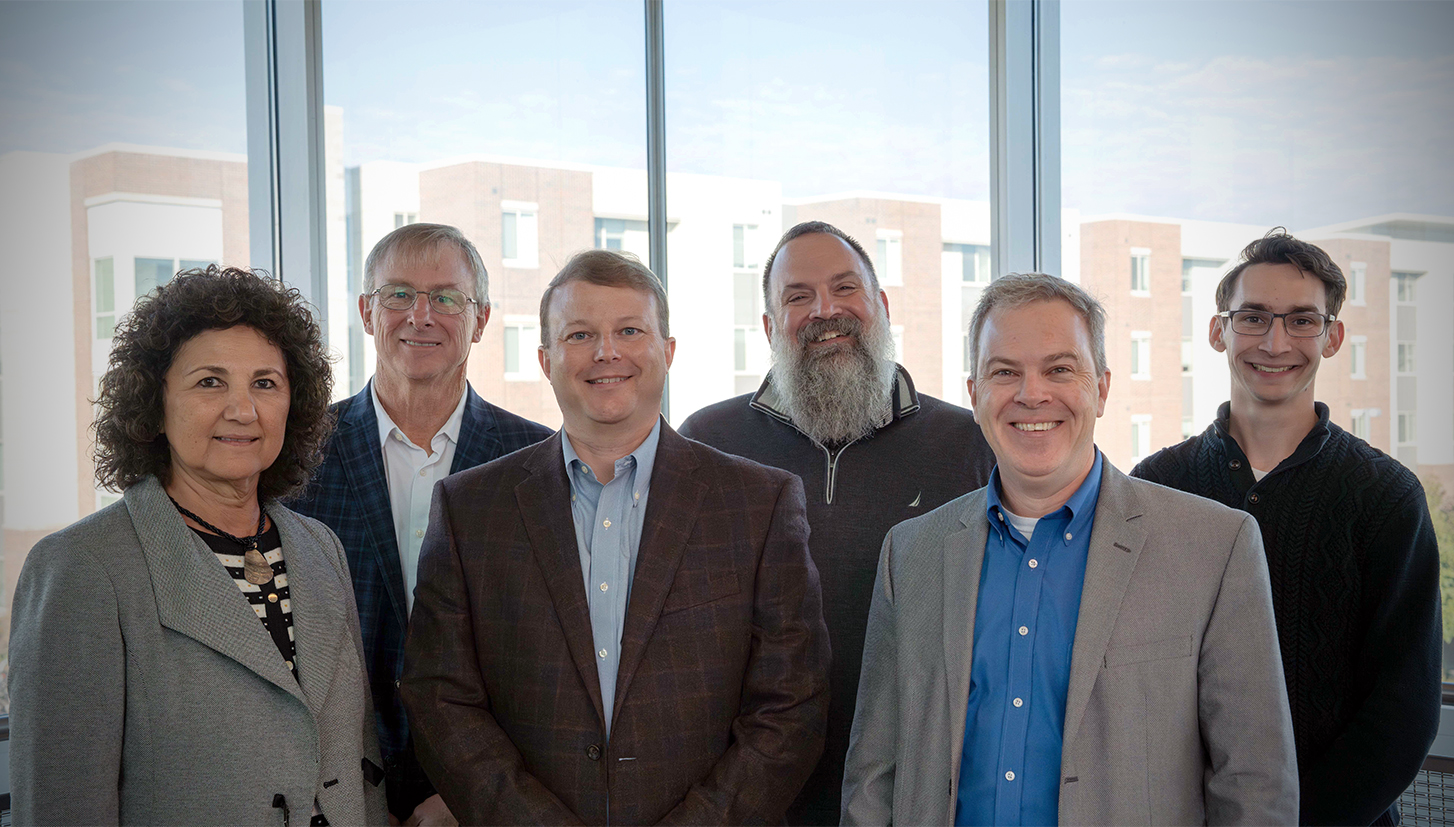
(722,695)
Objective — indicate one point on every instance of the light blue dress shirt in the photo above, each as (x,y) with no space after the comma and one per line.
(1024,632)
(608,522)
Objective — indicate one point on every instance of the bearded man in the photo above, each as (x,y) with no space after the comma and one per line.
(871,451)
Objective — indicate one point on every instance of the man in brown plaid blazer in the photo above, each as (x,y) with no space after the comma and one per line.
(616,624)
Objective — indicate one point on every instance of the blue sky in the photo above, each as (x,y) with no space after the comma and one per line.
(1298,113)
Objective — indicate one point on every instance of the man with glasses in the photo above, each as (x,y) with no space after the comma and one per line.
(425,301)
(1350,547)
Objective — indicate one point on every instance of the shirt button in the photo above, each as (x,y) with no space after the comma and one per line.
(1068,536)
(1253,498)
(423,472)
(418,532)
(1034,563)
(1018,702)
(290,663)
(603,587)
(1000,515)
(273,598)
(398,436)
(602,653)
(607,524)
(1010,775)
(638,495)
(1024,630)
(1234,464)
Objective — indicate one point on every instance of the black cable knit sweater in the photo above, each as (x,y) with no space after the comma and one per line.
(1355,586)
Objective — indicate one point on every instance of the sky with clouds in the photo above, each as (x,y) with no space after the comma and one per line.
(1297,113)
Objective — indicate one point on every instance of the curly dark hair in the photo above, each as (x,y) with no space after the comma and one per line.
(128,428)
(1278,247)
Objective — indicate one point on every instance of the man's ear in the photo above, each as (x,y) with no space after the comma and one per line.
(1216,333)
(767,327)
(1335,338)
(481,319)
(366,313)
(544,356)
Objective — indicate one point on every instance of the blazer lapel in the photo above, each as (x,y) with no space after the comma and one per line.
(194,595)
(963,561)
(1115,546)
(479,439)
(318,603)
(671,511)
(544,502)
(362,459)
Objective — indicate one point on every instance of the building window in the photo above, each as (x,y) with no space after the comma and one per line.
(746,321)
(519,236)
(1407,433)
(888,260)
(1189,264)
(1405,357)
(1140,354)
(1140,437)
(1357,282)
(1188,351)
(402,218)
(625,235)
(522,336)
(1358,423)
(898,333)
(1140,271)
(152,273)
(743,254)
(1404,284)
(1358,357)
(975,262)
(104,298)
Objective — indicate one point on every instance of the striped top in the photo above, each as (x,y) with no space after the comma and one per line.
(271,601)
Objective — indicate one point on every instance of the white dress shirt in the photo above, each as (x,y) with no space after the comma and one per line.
(412,473)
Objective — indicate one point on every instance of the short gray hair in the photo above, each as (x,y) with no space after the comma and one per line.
(422,240)
(1019,289)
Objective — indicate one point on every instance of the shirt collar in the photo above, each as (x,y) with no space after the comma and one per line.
(1079,509)
(903,402)
(387,426)
(1306,450)
(644,458)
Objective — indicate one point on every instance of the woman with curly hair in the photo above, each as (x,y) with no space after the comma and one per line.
(190,654)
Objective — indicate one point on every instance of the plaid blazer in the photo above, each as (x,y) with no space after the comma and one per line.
(722,695)
(350,494)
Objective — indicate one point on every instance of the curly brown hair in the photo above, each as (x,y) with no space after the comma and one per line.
(128,428)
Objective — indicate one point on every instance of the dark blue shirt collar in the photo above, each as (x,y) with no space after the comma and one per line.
(1078,511)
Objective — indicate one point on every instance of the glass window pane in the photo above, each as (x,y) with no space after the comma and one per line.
(747,289)
(124,136)
(193,264)
(518,121)
(891,146)
(512,349)
(151,273)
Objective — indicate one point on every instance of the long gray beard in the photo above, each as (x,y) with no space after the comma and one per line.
(839,396)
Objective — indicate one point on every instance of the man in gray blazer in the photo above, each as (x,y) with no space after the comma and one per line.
(1067,645)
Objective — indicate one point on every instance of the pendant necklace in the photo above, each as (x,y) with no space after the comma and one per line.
(255,567)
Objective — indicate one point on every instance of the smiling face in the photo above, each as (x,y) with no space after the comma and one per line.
(1037,395)
(225,409)
(419,345)
(1275,369)
(822,297)
(606,360)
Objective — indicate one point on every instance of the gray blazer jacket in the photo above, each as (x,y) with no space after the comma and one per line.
(145,691)
(1176,711)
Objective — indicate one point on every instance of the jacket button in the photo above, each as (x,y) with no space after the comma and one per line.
(593,752)
(1234,464)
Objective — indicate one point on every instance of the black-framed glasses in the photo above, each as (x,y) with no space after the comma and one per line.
(444,300)
(1300,325)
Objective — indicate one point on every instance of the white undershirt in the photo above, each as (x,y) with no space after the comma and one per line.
(1024,525)
(411,474)
(1257,475)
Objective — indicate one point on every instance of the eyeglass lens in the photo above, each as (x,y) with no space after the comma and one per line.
(402,297)
(1298,325)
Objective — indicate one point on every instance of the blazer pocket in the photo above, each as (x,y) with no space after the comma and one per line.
(1172,647)
(705,575)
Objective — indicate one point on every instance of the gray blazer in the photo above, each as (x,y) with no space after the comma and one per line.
(1176,711)
(144,690)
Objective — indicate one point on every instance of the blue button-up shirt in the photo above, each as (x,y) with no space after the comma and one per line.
(608,522)
(1024,631)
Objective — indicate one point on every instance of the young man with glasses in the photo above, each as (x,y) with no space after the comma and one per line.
(1350,547)
(425,301)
